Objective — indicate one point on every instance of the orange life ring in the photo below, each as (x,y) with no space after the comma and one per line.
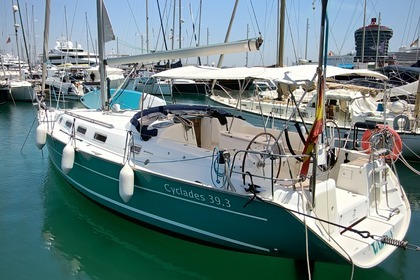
(396,145)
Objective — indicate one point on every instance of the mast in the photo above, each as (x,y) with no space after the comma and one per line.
(281,18)
(24,37)
(45,44)
(15,9)
(377,41)
(417,107)
(363,34)
(87,38)
(317,126)
(101,46)
(29,48)
(280,42)
(179,23)
(306,41)
(173,26)
(199,21)
(33,34)
(219,64)
(147,26)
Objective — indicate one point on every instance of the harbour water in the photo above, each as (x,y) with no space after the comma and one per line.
(50,231)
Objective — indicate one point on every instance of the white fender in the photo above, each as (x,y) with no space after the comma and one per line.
(67,159)
(116,107)
(41,135)
(126,183)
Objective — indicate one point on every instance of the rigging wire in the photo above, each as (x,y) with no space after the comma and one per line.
(161,30)
(74,16)
(411,10)
(255,17)
(291,36)
(255,25)
(194,37)
(135,22)
(331,26)
(161,25)
(269,10)
(296,9)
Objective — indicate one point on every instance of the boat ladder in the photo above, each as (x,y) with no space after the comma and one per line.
(380,181)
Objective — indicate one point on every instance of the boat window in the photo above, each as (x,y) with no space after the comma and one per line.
(81,130)
(100,137)
(68,124)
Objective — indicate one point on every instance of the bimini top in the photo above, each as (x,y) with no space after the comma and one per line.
(293,75)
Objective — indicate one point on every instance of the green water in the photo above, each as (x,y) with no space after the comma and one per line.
(50,231)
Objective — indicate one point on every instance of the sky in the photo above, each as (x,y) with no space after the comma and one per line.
(76,19)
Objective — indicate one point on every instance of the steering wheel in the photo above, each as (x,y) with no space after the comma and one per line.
(333,144)
(262,153)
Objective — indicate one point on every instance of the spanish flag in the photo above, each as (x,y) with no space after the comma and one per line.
(316,129)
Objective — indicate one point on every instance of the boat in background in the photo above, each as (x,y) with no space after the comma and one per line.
(122,99)
(347,103)
(62,90)
(65,52)
(10,62)
(152,86)
(408,55)
(166,87)
(19,88)
(22,91)
(185,86)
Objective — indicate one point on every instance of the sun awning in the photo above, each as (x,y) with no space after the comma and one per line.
(293,75)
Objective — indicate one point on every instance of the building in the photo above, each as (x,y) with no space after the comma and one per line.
(376,42)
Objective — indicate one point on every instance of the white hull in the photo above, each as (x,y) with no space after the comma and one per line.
(22,91)
(62,90)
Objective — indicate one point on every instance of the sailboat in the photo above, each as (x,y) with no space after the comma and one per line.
(349,104)
(200,172)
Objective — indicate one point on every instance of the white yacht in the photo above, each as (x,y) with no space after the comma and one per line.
(65,52)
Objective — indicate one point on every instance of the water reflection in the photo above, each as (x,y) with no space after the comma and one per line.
(409,180)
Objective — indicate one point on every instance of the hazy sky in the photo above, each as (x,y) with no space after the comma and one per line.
(252,16)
